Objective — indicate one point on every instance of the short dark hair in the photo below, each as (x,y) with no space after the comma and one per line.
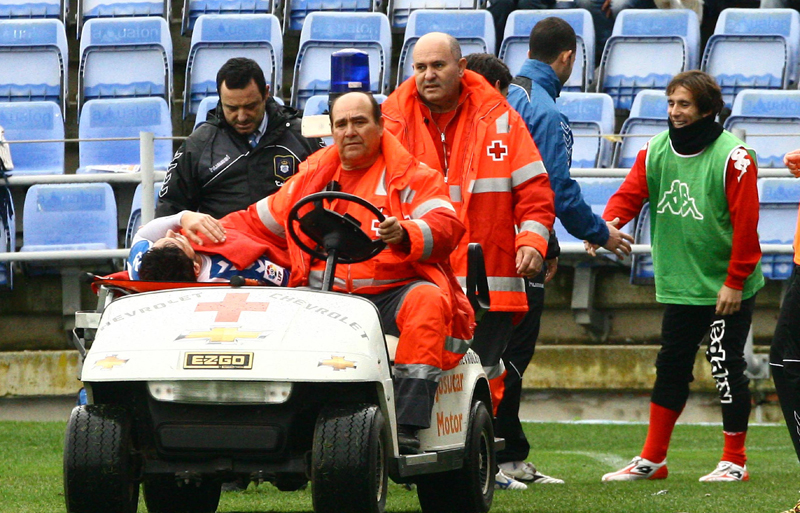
(549,38)
(491,68)
(705,91)
(166,263)
(376,109)
(238,72)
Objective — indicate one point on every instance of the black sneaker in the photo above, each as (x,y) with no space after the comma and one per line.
(407,439)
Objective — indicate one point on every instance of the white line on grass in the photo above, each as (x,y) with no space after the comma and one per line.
(606,458)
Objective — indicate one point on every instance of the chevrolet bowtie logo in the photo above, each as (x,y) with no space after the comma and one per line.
(109,362)
(338,363)
(224,334)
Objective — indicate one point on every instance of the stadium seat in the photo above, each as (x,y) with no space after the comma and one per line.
(34,55)
(219,37)
(8,237)
(642,264)
(135,218)
(22,9)
(596,192)
(474,30)
(646,49)
(208,104)
(90,9)
(125,58)
(514,49)
(296,11)
(193,9)
(590,115)
(124,117)
(400,10)
(34,121)
(69,217)
(753,49)
(779,198)
(648,117)
(761,115)
(326,32)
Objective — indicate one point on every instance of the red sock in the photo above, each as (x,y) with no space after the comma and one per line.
(662,421)
(734,448)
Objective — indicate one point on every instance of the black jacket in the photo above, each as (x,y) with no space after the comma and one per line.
(216,172)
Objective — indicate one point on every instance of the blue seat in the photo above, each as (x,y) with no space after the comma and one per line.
(400,10)
(8,237)
(193,9)
(318,105)
(34,58)
(326,32)
(753,49)
(90,9)
(642,264)
(208,104)
(647,48)
(69,217)
(135,218)
(125,117)
(296,11)
(648,117)
(762,115)
(125,58)
(779,198)
(514,49)
(591,116)
(219,37)
(34,121)
(474,31)
(33,9)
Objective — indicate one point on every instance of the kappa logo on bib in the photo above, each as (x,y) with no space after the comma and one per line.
(678,201)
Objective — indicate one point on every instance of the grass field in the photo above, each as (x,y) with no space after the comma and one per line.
(30,474)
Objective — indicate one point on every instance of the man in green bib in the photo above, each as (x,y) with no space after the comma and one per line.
(700,183)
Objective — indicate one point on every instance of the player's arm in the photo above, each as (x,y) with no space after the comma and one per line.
(180,190)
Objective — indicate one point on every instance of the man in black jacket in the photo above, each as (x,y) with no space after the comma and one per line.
(245,152)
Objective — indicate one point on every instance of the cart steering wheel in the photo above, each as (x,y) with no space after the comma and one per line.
(340,236)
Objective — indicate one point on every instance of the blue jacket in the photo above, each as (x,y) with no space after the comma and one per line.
(553,136)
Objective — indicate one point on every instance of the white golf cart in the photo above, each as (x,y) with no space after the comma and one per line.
(194,386)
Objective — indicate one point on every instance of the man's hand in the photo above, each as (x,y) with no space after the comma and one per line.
(590,248)
(550,270)
(792,161)
(606,8)
(728,300)
(195,222)
(618,243)
(391,232)
(529,262)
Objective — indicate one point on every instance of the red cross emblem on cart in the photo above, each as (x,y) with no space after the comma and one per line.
(497,150)
(229,309)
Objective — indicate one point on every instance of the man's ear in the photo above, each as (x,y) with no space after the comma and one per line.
(196,266)
(462,65)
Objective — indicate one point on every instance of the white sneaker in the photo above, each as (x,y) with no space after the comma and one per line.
(503,482)
(526,472)
(727,472)
(639,468)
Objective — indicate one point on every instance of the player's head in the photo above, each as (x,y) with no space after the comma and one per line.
(492,69)
(171,258)
(357,128)
(243,94)
(553,41)
(691,96)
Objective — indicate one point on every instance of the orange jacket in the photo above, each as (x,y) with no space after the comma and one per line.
(496,179)
(797,241)
(417,196)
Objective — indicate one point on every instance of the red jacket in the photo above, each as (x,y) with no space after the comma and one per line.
(496,179)
(417,196)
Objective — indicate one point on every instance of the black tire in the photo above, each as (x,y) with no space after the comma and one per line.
(99,469)
(348,462)
(469,489)
(163,494)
